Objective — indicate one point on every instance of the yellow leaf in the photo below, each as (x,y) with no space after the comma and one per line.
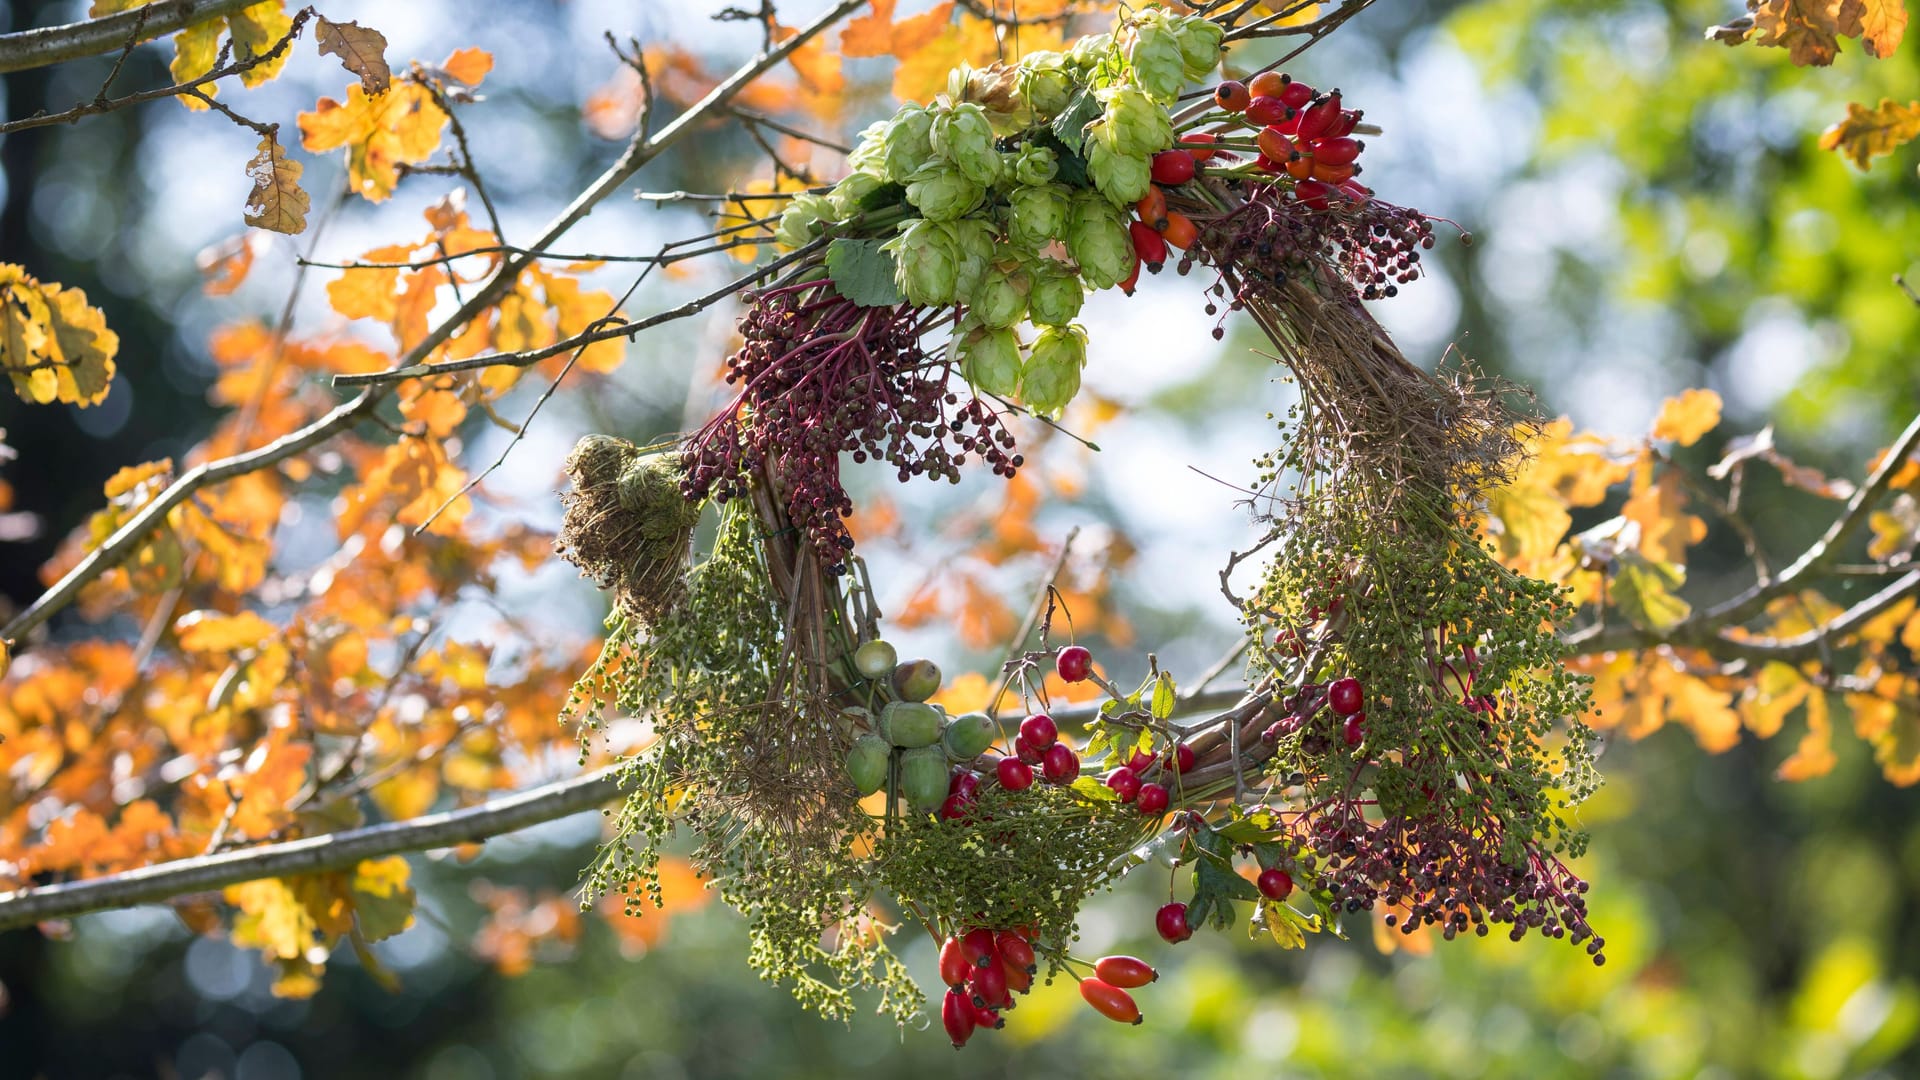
(818,66)
(379,133)
(1707,712)
(362,51)
(1814,756)
(1808,29)
(195,50)
(256,30)
(52,344)
(869,35)
(272,919)
(1869,133)
(1895,529)
(1666,529)
(276,203)
(1883,25)
(469,65)
(1765,703)
(1300,15)
(923,72)
(209,631)
(1686,418)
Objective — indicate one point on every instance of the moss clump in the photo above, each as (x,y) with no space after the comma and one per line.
(627,526)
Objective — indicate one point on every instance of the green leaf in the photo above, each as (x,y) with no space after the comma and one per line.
(1099,741)
(1070,126)
(1643,591)
(863,273)
(886,195)
(1163,697)
(1092,789)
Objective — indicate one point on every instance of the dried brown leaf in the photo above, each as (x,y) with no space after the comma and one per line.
(362,50)
(276,202)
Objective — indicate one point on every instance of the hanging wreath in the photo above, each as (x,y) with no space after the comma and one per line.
(1409,739)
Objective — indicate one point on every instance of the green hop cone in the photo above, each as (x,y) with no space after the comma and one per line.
(1098,240)
(1038,214)
(964,136)
(1044,84)
(1133,124)
(1056,295)
(925,263)
(804,212)
(908,145)
(1052,375)
(990,361)
(846,195)
(1088,52)
(1001,299)
(1200,41)
(1120,178)
(870,149)
(1158,63)
(1035,165)
(942,192)
(973,245)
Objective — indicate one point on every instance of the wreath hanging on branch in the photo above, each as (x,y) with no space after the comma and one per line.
(1409,738)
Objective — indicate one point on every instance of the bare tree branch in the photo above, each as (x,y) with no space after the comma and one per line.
(310,855)
(24,49)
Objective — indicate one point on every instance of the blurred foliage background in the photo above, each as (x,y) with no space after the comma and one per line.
(1650,212)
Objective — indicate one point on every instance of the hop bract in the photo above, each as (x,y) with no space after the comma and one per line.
(926,263)
(908,144)
(1044,85)
(846,195)
(1098,241)
(990,360)
(804,211)
(973,243)
(1056,295)
(1035,165)
(963,136)
(1001,299)
(1133,124)
(1157,59)
(1052,375)
(1120,178)
(1200,42)
(942,192)
(1038,214)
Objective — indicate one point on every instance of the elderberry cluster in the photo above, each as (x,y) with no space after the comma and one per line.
(819,376)
(1447,874)
(1374,245)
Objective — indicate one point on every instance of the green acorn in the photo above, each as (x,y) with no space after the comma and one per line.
(911,723)
(967,737)
(867,763)
(923,778)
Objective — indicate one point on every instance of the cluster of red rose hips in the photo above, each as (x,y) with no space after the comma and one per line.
(1303,133)
(984,968)
(1038,746)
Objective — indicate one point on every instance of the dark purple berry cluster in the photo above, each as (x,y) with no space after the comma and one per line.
(818,377)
